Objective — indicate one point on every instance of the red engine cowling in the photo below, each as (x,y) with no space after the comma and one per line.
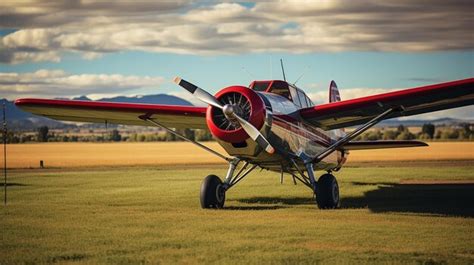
(247,104)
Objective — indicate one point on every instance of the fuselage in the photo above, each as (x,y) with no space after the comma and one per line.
(287,131)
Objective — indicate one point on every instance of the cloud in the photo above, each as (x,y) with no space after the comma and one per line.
(322,97)
(57,83)
(46,29)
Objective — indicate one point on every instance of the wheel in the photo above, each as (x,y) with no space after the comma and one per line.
(327,192)
(212,192)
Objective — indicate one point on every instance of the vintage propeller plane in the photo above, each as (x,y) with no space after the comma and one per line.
(271,125)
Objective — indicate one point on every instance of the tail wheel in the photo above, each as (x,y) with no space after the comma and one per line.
(212,192)
(327,192)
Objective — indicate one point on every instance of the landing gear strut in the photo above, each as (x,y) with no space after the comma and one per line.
(213,189)
(326,189)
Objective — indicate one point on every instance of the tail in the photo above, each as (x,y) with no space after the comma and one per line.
(334,92)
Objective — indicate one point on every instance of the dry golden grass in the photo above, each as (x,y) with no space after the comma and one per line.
(182,153)
(435,151)
(109,154)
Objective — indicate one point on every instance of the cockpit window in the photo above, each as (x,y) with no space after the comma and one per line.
(294,95)
(302,98)
(260,86)
(280,88)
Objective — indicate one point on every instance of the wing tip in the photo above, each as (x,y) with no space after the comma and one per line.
(177,80)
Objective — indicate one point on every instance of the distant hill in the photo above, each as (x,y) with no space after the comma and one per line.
(21,120)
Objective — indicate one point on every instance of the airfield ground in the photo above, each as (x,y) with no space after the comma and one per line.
(181,153)
(398,211)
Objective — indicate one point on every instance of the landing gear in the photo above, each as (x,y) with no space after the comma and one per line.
(213,189)
(212,192)
(327,192)
(326,188)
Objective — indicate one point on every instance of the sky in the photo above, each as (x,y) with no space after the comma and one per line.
(53,49)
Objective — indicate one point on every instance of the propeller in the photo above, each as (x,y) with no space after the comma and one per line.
(228,111)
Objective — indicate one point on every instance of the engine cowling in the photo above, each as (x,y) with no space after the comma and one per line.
(246,103)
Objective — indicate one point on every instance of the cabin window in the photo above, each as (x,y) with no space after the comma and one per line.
(294,96)
(307,101)
(280,88)
(260,86)
(302,98)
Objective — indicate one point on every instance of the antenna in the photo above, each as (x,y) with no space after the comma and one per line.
(304,72)
(251,75)
(282,69)
(5,152)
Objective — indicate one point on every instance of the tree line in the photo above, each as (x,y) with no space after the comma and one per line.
(43,134)
(428,132)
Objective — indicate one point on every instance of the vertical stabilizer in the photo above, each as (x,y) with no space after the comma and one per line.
(334,92)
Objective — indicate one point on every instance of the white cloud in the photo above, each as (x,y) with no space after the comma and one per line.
(322,97)
(57,83)
(96,27)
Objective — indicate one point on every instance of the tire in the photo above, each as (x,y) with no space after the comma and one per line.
(327,192)
(212,193)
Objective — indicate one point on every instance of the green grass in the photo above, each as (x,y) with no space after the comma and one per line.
(152,215)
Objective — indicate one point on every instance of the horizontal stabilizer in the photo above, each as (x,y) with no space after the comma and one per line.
(364,145)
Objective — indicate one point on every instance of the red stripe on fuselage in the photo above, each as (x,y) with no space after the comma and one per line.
(307,132)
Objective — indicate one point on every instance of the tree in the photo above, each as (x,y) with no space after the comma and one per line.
(389,135)
(43,134)
(406,135)
(429,129)
(401,128)
(189,133)
(170,137)
(116,137)
(202,135)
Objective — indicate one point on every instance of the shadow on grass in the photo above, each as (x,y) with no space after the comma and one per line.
(439,199)
(277,200)
(252,208)
(14,184)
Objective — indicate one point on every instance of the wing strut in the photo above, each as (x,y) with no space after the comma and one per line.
(355,133)
(157,124)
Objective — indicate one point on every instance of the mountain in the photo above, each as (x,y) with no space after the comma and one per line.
(151,99)
(21,120)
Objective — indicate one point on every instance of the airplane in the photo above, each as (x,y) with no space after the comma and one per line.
(273,125)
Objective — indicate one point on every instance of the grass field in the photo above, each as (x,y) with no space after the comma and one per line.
(130,215)
(181,153)
(131,203)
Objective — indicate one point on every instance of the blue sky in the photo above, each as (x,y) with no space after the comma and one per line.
(108,48)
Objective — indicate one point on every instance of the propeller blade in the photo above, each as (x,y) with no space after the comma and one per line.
(255,135)
(199,93)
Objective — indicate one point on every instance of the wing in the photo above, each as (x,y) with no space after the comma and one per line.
(118,113)
(364,145)
(414,101)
